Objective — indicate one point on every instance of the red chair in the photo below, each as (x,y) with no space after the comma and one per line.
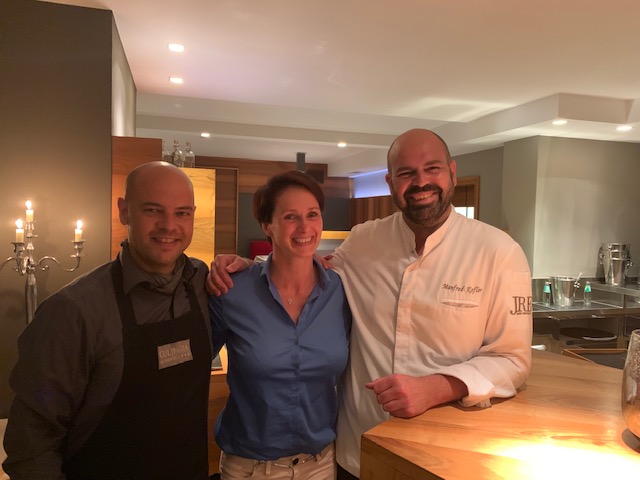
(259,247)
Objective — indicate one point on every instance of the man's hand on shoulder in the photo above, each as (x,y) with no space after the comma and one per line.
(324,261)
(219,278)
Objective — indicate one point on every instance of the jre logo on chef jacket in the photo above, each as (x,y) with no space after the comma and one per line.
(174,353)
(521,306)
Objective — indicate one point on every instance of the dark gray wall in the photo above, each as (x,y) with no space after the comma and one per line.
(248,228)
(55,145)
(487,165)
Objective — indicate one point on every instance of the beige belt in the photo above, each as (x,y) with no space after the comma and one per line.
(293,460)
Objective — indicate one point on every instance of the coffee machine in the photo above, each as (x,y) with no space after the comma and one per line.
(614,260)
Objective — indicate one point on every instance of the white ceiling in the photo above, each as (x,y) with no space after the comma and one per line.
(269,78)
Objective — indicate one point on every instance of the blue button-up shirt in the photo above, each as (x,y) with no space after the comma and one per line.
(282,376)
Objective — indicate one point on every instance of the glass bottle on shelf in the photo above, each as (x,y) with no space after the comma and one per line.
(546,294)
(587,294)
(178,156)
(166,154)
(189,156)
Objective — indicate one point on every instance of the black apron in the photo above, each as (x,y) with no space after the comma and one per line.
(156,426)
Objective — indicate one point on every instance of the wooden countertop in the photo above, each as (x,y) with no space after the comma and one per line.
(566,423)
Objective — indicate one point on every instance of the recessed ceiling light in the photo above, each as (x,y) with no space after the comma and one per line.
(559,122)
(342,144)
(205,134)
(624,128)
(176,80)
(176,47)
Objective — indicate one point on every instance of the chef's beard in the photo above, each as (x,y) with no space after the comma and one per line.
(424,215)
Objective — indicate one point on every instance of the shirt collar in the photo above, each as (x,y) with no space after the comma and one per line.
(436,237)
(132,275)
(323,277)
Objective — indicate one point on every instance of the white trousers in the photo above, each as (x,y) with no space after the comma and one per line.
(299,467)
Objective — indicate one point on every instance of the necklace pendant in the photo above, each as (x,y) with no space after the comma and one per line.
(289,301)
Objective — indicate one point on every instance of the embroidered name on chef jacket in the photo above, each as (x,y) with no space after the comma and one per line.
(174,353)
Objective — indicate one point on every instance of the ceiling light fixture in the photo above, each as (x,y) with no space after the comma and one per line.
(176,80)
(205,134)
(176,47)
(342,144)
(624,128)
(559,122)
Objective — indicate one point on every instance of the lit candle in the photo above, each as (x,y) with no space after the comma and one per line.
(78,236)
(29,216)
(19,232)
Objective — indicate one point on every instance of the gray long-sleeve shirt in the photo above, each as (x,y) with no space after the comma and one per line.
(70,364)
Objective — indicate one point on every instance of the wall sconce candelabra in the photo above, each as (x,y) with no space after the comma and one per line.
(26,264)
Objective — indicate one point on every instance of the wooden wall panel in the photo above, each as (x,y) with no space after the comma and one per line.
(126,154)
(255,173)
(226,233)
(369,208)
(204,187)
(467,194)
(218,395)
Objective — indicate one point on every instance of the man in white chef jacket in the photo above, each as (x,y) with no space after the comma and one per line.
(441,303)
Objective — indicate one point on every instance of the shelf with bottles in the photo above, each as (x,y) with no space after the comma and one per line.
(603,300)
(181,158)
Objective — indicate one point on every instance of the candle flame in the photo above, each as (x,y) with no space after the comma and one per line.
(28,204)
(79,224)
(19,223)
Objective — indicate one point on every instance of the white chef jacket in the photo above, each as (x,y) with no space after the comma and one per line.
(462,308)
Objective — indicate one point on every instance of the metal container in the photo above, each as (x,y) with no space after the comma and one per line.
(564,290)
(614,260)
(622,249)
(615,269)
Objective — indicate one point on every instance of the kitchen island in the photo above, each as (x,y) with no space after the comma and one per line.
(565,423)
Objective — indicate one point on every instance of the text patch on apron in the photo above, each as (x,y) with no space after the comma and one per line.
(174,354)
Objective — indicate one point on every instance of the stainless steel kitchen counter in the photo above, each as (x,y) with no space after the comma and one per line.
(597,308)
(630,289)
(614,310)
(605,299)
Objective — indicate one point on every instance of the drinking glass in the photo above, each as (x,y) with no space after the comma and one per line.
(631,385)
